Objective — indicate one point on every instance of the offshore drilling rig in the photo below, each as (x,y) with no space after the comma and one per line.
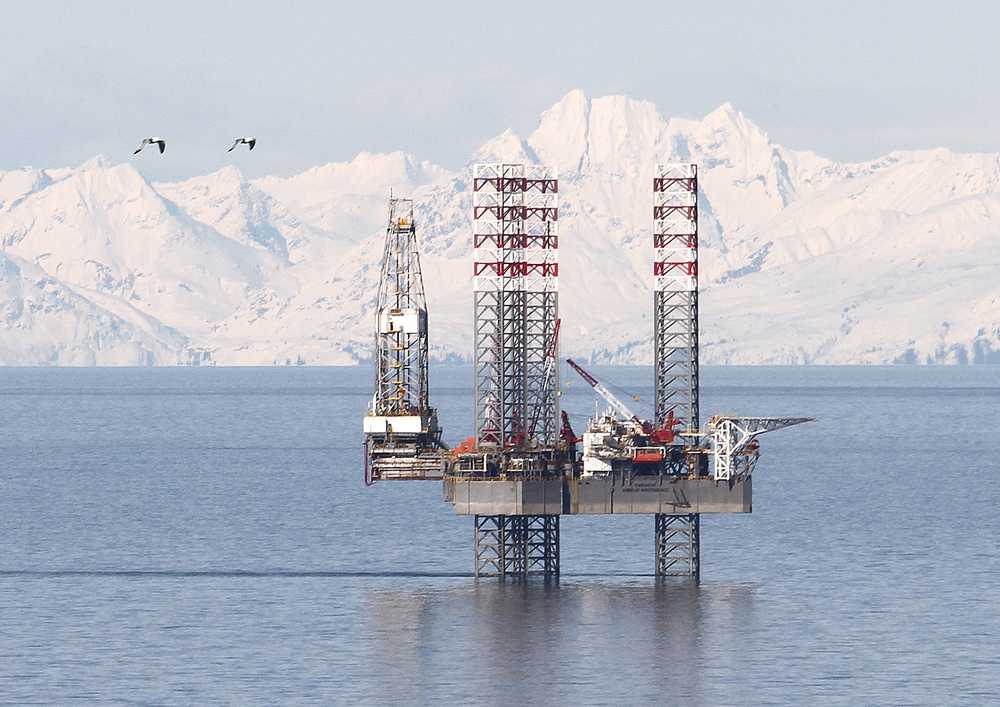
(521,470)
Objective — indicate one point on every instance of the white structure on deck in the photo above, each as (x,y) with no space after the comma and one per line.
(734,442)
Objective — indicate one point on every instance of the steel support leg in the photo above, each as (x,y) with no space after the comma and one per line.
(517,545)
(490,545)
(678,540)
(541,544)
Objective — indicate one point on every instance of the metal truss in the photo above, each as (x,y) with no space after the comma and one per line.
(517,545)
(401,320)
(678,541)
(515,271)
(675,298)
(675,344)
(734,446)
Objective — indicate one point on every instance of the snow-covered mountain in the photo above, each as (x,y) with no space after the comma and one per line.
(804,260)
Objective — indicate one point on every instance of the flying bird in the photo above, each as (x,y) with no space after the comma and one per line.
(158,141)
(251,141)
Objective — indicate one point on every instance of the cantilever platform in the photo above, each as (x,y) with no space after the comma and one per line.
(611,495)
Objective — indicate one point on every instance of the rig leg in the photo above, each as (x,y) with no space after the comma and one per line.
(541,545)
(517,546)
(678,545)
(491,548)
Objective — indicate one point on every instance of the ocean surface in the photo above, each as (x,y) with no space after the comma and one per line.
(203,536)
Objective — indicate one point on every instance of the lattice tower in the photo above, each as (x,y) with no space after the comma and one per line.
(675,297)
(515,284)
(401,320)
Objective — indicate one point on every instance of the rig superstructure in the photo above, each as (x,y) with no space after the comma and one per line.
(521,470)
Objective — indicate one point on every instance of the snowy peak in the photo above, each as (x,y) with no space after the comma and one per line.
(579,133)
(103,229)
(562,136)
(505,147)
(227,203)
(366,172)
(228,175)
(397,168)
(339,198)
(99,161)
(749,178)
(105,186)
(726,118)
(17,184)
(624,130)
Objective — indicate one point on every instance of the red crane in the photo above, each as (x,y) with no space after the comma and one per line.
(664,434)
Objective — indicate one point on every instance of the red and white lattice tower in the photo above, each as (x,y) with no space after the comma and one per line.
(515,284)
(675,297)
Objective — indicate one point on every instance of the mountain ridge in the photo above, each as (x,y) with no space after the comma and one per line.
(803,259)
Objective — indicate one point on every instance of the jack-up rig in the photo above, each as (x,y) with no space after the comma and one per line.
(521,471)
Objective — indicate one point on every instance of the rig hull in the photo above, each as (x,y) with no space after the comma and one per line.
(614,494)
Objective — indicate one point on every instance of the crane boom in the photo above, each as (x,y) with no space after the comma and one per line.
(616,404)
(550,369)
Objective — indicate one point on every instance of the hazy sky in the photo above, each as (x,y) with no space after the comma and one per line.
(319,81)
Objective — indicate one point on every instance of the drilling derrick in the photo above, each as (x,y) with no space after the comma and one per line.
(402,437)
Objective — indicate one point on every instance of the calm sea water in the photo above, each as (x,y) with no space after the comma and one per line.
(203,535)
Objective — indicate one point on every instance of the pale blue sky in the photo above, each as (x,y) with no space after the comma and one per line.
(319,81)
